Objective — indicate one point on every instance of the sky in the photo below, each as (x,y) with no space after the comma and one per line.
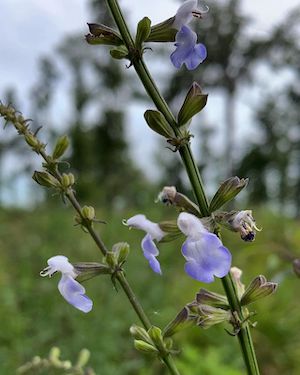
(31,31)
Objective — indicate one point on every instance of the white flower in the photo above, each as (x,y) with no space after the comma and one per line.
(69,288)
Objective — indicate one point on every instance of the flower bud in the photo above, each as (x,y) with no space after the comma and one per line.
(258,288)
(119,53)
(194,102)
(121,249)
(227,191)
(101,34)
(32,141)
(156,336)
(139,333)
(143,32)
(157,122)
(144,347)
(45,179)
(67,180)
(88,212)
(83,358)
(111,259)
(60,147)
(54,355)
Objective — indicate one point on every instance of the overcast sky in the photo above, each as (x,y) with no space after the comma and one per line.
(32,28)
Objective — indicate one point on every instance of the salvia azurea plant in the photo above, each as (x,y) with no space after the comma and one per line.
(198,223)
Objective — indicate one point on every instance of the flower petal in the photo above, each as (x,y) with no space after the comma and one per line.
(74,293)
(206,258)
(184,13)
(141,222)
(59,263)
(190,225)
(187,51)
(150,251)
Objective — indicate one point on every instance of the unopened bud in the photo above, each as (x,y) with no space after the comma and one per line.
(121,249)
(181,321)
(32,140)
(144,347)
(45,179)
(258,288)
(67,180)
(111,259)
(143,32)
(54,355)
(60,147)
(88,212)
(156,336)
(119,53)
(227,191)
(193,103)
(157,122)
(83,358)
(139,333)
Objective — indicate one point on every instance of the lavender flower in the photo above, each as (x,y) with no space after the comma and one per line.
(69,288)
(205,254)
(149,247)
(187,51)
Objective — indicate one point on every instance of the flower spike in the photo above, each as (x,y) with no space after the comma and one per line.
(72,291)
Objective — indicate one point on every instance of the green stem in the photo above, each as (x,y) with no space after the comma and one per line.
(244,334)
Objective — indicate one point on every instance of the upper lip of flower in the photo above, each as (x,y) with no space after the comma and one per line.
(186,12)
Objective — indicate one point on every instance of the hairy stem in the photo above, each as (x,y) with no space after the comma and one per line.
(244,334)
(17,120)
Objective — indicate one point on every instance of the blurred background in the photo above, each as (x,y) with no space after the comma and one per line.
(250,128)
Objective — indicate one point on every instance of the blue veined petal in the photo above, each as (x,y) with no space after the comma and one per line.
(150,253)
(187,51)
(206,258)
(74,293)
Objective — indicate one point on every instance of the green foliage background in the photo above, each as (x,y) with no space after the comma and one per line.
(34,317)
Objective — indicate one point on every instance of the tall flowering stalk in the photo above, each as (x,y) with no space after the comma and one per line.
(191,54)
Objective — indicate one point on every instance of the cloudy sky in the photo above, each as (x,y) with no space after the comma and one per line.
(34,28)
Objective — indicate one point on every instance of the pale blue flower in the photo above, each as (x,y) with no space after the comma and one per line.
(187,51)
(69,288)
(153,233)
(205,254)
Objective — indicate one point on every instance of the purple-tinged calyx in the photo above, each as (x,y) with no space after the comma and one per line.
(72,291)
(205,254)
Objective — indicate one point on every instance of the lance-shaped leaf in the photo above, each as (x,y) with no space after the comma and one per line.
(101,34)
(163,31)
(143,32)
(227,191)
(194,102)
(158,123)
